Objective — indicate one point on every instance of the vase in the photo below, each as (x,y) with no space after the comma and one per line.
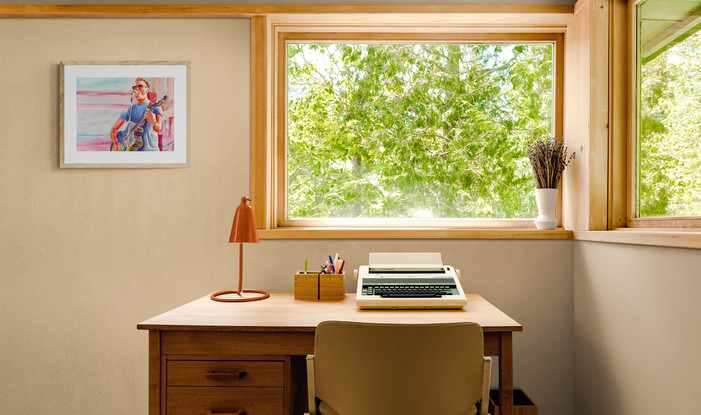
(546,200)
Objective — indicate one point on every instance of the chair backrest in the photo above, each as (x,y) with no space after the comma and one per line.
(364,368)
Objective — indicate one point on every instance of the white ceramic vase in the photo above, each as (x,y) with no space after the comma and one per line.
(546,200)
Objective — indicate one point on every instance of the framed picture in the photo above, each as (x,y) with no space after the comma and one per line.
(124,114)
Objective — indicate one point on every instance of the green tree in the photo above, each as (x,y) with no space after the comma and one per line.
(670,131)
(407,130)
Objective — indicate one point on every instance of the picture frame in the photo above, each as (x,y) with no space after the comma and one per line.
(128,114)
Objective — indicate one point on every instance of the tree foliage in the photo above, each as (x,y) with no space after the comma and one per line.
(670,131)
(415,130)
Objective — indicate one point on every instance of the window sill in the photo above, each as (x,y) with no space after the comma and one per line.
(409,233)
(678,238)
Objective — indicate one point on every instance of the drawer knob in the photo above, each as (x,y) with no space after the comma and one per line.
(235,374)
(242,412)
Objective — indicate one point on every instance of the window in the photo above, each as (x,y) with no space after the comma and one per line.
(414,130)
(668,113)
(403,125)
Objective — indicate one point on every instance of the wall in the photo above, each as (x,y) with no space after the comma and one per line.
(636,329)
(85,255)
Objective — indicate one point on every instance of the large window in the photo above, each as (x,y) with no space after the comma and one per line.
(415,130)
(402,132)
(669,109)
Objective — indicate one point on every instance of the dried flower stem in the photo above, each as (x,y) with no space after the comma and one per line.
(548,159)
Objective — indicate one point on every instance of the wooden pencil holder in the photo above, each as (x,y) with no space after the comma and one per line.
(306,286)
(319,287)
(332,287)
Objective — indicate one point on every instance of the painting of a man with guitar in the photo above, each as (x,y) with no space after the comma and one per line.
(144,120)
(126,114)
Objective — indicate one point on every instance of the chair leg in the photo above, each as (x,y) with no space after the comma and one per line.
(311,388)
(486,378)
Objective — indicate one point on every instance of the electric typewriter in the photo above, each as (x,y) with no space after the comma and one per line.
(408,280)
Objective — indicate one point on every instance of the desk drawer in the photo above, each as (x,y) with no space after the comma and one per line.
(224,400)
(225,373)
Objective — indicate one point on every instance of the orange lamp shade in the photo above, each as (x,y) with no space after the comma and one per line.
(244,228)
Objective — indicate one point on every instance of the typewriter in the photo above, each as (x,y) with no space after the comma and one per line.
(408,280)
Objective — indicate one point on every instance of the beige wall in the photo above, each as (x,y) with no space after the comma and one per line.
(86,254)
(637,336)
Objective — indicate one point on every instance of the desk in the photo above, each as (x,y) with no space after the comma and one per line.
(205,343)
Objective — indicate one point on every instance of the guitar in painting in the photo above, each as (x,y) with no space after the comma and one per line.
(131,139)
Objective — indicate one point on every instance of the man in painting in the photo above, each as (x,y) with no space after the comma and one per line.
(152,125)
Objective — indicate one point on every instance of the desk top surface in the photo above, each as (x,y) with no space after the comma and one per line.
(281,312)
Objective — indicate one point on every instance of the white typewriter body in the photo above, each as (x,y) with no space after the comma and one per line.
(408,280)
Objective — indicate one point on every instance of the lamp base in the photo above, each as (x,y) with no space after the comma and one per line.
(263,296)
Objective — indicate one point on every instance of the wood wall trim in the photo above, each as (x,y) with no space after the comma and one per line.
(47,11)
(476,22)
(368,34)
(281,228)
(396,233)
(279,142)
(580,5)
(657,237)
(631,137)
(408,223)
(681,222)
(618,115)
(599,133)
(588,124)
(575,181)
(260,128)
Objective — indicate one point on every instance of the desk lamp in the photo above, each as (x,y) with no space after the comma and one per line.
(243,231)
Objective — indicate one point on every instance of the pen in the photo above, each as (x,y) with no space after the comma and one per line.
(305,266)
(335,261)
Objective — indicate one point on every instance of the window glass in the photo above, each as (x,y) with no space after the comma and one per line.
(410,130)
(669,117)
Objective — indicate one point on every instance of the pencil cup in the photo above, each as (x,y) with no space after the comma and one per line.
(306,286)
(332,286)
(316,287)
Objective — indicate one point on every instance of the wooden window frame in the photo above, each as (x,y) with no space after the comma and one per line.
(633,221)
(612,218)
(268,148)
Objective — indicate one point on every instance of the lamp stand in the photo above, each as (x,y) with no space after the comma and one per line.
(263,296)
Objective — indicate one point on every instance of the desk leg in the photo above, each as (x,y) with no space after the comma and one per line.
(154,372)
(506,375)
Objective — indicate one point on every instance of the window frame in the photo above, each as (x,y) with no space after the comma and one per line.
(633,221)
(270,185)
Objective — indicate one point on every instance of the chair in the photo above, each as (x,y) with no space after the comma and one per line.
(403,369)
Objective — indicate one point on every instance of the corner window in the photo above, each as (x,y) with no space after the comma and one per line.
(669,109)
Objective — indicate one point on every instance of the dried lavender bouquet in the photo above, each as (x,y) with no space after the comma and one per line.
(548,159)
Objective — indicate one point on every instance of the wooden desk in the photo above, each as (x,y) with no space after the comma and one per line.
(205,343)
